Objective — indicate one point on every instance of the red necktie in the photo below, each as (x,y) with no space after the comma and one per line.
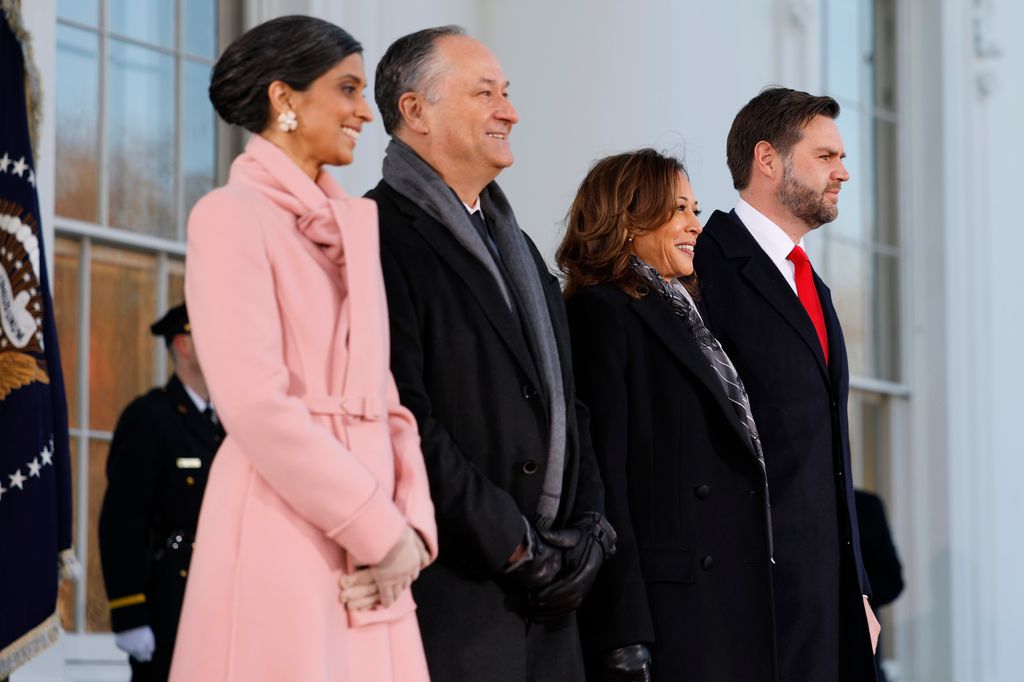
(809,294)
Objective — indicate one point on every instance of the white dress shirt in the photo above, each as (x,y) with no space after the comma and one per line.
(772,240)
(200,404)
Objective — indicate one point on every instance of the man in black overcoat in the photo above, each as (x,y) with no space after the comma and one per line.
(480,353)
(775,318)
(159,459)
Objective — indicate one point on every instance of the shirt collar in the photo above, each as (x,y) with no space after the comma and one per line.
(475,208)
(766,233)
(200,404)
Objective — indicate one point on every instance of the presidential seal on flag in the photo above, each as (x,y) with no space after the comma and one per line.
(21,301)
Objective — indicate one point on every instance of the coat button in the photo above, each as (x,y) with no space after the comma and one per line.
(706,563)
(183,573)
(529,391)
(702,491)
(529,467)
(189,480)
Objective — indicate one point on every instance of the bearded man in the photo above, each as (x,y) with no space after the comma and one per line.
(774,317)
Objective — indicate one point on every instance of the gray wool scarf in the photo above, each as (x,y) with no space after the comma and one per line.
(412,177)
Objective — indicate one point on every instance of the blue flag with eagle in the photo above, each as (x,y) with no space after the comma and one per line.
(35,481)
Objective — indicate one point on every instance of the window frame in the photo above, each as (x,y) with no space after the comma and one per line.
(168,252)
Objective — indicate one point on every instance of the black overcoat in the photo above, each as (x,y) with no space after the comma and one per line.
(800,406)
(156,473)
(683,488)
(463,368)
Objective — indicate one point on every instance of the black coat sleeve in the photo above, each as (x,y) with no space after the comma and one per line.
(600,351)
(590,488)
(483,517)
(881,562)
(126,517)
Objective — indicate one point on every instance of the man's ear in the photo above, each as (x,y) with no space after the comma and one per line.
(411,106)
(182,345)
(767,161)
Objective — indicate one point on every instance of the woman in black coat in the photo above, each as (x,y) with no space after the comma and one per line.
(688,595)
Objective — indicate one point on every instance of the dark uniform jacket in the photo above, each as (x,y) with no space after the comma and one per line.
(799,403)
(156,472)
(463,368)
(683,489)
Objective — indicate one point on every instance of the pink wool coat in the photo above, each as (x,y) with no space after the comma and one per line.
(321,470)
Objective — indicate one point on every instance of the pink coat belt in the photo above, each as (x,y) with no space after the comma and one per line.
(370,408)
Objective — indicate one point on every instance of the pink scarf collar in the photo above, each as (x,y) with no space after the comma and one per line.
(321,208)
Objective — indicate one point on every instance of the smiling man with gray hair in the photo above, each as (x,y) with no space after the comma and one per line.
(480,352)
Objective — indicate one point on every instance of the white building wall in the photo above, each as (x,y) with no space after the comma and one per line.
(597,77)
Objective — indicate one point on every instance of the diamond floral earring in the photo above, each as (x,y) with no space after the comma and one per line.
(286,121)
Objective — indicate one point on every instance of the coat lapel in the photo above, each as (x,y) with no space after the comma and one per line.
(672,332)
(836,345)
(479,282)
(766,280)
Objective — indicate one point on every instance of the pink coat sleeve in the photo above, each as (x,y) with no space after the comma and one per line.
(236,325)
(412,488)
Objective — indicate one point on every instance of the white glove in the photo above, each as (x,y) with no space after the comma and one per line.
(139,643)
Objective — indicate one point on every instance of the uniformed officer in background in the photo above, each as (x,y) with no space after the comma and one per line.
(163,446)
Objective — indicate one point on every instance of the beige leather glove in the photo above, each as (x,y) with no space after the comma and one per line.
(399,568)
(424,552)
(359,591)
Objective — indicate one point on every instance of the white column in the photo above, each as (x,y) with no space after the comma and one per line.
(996,447)
(958,503)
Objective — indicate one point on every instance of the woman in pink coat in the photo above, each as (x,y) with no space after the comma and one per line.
(321,472)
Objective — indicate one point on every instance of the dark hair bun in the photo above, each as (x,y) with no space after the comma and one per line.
(294,49)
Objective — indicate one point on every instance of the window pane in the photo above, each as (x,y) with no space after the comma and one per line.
(199,155)
(886,183)
(121,348)
(151,21)
(83,11)
(849,281)
(201,27)
(844,55)
(97,609)
(175,293)
(869,440)
(141,140)
(885,55)
(175,282)
(885,305)
(77,124)
(65,312)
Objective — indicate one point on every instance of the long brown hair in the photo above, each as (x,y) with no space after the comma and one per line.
(622,196)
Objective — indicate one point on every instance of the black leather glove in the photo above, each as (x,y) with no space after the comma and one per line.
(543,568)
(626,664)
(586,545)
